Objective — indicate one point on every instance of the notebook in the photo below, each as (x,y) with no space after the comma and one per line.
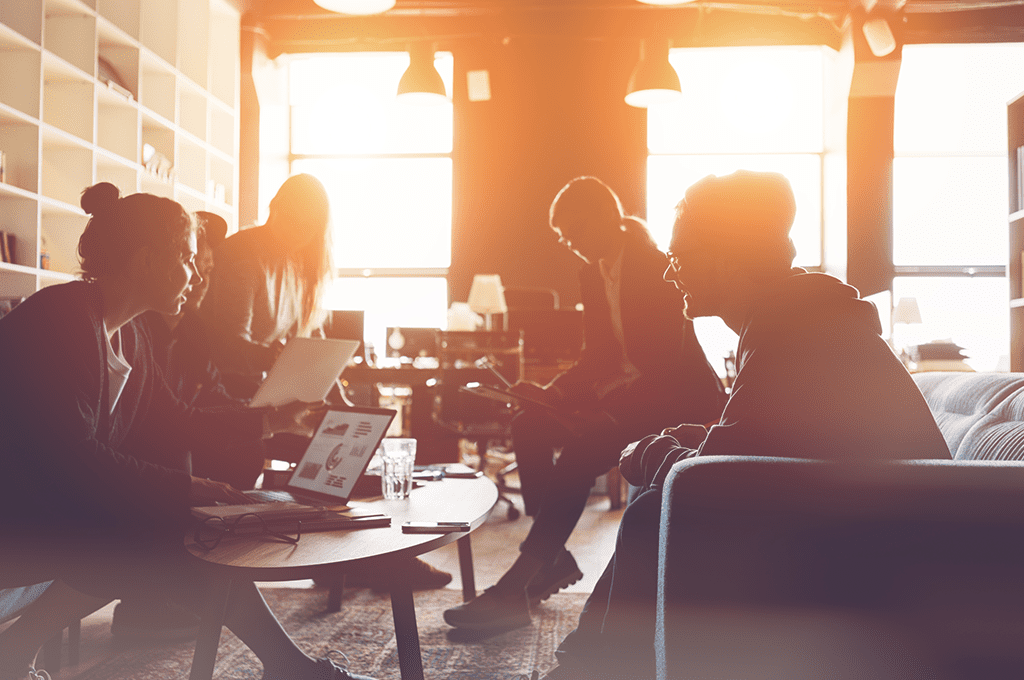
(326,476)
(306,370)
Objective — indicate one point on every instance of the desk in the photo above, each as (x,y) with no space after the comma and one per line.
(325,553)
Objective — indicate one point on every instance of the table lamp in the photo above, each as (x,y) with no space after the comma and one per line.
(487,297)
(907,312)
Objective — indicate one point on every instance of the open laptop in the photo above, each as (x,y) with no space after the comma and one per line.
(306,369)
(326,475)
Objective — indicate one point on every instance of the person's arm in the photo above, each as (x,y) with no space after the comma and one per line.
(52,426)
(646,463)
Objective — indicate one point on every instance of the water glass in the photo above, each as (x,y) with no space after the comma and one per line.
(397,458)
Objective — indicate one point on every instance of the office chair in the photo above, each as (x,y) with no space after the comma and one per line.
(460,357)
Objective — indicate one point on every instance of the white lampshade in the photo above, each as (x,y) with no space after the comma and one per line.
(487,295)
(906,311)
(356,6)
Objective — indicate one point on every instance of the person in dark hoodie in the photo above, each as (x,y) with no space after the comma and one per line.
(814,380)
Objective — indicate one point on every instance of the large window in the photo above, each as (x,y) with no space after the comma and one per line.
(387,166)
(950,193)
(758,108)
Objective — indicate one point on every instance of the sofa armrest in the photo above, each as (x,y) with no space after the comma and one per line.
(771,553)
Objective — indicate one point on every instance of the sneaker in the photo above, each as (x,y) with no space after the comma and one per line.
(491,610)
(419,575)
(327,669)
(160,621)
(561,574)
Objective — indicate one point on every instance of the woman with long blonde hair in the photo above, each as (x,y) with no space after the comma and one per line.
(269,284)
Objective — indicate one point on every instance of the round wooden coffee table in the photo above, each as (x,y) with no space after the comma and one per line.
(328,553)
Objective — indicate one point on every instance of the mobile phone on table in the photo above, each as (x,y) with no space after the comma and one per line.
(433,527)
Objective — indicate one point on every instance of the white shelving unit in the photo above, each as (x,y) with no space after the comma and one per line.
(174,66)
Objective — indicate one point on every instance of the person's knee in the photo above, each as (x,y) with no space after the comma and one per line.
(642,517)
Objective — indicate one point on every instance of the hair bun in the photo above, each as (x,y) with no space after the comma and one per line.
(99,198)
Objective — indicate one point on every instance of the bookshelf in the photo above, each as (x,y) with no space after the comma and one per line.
(140,93)
(1015,270)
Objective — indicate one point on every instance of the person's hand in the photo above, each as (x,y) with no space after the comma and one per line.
(297,417)
(629,466)
(690,436)
(208,492)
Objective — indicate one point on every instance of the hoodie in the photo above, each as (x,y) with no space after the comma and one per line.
(814,380)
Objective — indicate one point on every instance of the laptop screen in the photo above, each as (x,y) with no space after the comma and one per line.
(339,452)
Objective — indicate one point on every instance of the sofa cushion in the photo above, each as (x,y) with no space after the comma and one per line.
(981,415)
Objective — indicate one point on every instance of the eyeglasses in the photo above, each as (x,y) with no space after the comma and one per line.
(673,261)
(211,530)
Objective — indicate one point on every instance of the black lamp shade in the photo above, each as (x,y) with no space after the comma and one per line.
(653,80)
(421,77)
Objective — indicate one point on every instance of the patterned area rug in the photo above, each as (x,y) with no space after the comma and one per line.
(364,631)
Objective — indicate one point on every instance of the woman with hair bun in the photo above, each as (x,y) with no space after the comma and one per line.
(81,405)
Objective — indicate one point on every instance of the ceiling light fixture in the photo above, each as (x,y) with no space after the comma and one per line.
(359,7)
(653,81)
(421,82)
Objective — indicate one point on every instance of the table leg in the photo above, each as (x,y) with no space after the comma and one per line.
(208,640)
(466,568)
(335,593)
(406,634)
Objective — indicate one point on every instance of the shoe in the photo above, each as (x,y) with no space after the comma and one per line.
(418,574)
(561,574)
(161,621)
(327,669)
(491,610)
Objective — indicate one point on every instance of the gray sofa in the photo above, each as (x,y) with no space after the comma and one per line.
(791,568)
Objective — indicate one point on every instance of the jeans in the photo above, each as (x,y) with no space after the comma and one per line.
(615,635)
(555,491)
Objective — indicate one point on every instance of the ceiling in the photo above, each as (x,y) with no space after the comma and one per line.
(299,25)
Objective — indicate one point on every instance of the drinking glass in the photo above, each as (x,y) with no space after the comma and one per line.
(397,457)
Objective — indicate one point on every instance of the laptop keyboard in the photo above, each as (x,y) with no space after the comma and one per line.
(269,496)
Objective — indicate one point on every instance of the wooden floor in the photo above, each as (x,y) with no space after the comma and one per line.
(495,546)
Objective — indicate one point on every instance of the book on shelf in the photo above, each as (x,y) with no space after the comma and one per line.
(7,304)
(8,247)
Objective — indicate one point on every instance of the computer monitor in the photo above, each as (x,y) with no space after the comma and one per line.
(346,324)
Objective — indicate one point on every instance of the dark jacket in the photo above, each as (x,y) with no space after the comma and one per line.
(70,465)
(185,358)
(814,380)
(675,376)
(250,305)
